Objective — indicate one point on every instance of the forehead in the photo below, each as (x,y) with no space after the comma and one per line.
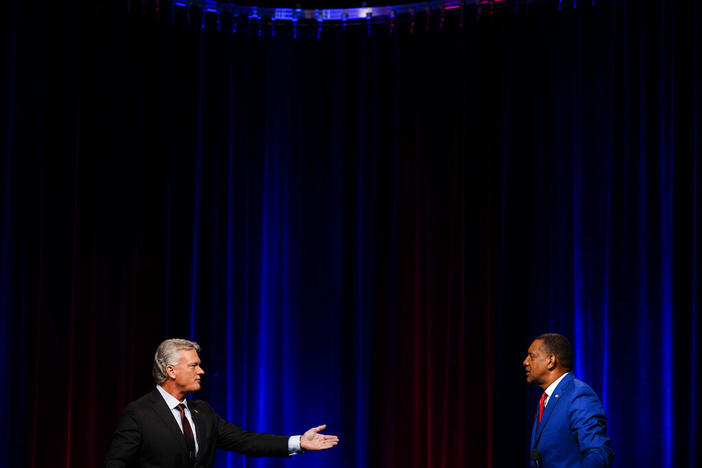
(188,355)
(535,347)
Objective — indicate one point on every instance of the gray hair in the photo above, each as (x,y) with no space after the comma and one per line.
(167,355)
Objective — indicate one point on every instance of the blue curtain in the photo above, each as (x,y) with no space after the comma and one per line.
(600,190)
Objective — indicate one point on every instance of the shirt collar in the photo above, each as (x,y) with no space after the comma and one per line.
(171,401)
(549,390)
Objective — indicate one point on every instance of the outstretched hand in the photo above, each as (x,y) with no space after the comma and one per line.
(313,440)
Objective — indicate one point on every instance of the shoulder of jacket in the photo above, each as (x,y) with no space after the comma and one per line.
(581,386)
(141,403)
(201,405)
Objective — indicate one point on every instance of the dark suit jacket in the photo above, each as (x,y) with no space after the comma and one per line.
(148,436)
(573,429)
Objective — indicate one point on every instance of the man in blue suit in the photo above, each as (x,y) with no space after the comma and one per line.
(570,427)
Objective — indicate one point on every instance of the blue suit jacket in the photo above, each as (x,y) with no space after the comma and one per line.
(573,429)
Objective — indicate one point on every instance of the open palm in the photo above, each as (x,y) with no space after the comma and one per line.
(313,440)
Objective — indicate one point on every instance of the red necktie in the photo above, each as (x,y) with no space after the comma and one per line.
(187,430)
(541,408)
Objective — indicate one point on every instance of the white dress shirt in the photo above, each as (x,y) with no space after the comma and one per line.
(549,390)
(173,403)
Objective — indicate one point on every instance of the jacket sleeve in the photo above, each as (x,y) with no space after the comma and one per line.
(126,441)
(254,444)
(588,424)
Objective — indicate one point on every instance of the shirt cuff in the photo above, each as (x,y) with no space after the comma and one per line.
(294,445)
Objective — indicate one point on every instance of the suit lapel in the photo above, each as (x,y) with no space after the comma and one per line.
(550,408)
(200,426)
(164,412)
(533,428)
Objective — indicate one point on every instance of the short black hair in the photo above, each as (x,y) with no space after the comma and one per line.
(559,346)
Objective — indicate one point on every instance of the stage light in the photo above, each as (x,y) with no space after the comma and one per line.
(370,15)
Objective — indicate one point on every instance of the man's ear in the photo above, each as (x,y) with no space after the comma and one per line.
(171,372)
(552,362)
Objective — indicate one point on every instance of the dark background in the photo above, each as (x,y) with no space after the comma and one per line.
(364,230)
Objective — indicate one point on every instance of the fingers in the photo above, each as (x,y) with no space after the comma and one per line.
(322,443)
(314,430)
(313,440)
(318,428)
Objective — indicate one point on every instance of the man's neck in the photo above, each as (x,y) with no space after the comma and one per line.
(553,377)
(169,388)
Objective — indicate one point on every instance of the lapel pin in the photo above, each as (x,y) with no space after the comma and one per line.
(196,411)
(556,395)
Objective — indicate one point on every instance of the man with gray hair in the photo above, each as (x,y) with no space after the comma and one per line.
(164,429)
